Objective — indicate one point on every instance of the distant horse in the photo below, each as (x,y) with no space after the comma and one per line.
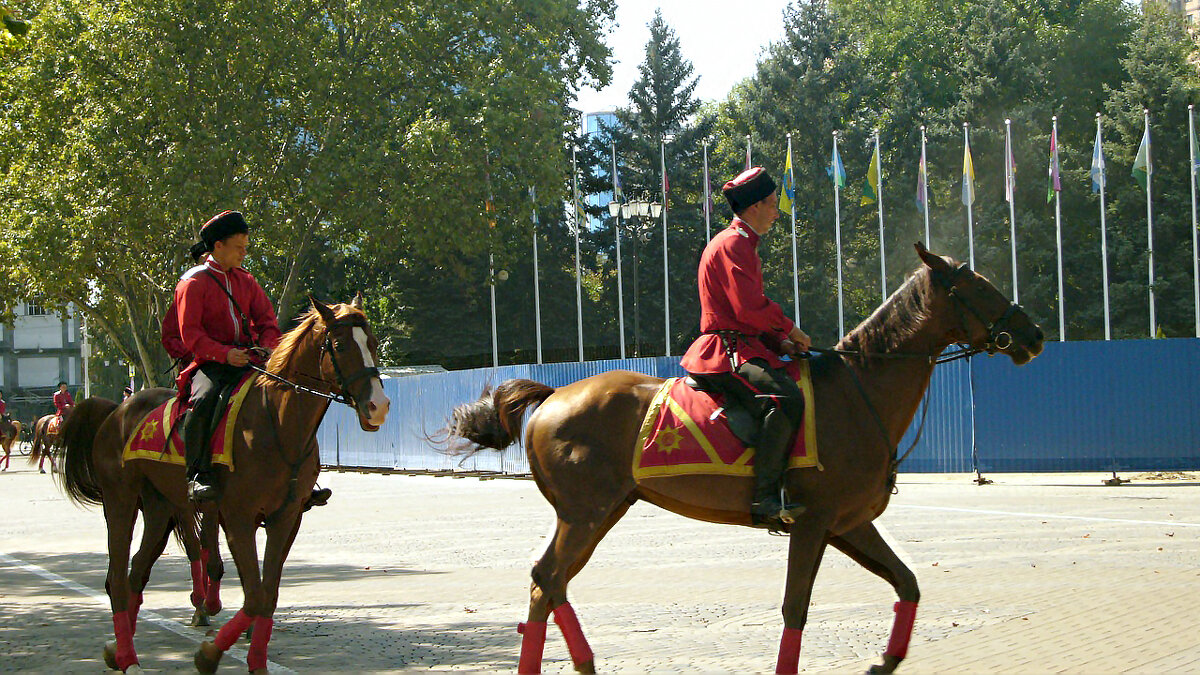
(45,442)
(10,433)
(332,355)
(580,443)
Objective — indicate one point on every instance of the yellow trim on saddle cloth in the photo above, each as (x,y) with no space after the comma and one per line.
(715,465)
(159,422)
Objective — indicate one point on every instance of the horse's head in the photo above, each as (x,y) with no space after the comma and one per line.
(979,314)
(348,360)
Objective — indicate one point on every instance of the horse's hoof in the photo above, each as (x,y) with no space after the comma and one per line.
(135,669)
(588,666)
(207,657)
(200,618)
(110,655)
(213,608)
(260,671)
(888,666)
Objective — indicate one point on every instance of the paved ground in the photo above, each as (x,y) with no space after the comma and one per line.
(1036,573)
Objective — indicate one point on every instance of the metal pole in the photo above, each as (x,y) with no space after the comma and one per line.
(537,287)
(666,276)
(966,177)
(1103,232)
(748,160)
(707,200)
(86,353)
(620,286)
(1012,201)
(492,290)
(1062,320)
(925,190)
(837,219)
(879,201)
(1150,223)
(578,227)
(1195,247)
(795,260)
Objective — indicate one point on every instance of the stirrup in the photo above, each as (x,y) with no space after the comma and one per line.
(200,492)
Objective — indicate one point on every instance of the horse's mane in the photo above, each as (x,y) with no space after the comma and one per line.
(292,339)
(896,320)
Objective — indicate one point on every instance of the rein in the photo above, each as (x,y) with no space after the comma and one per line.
(344,397)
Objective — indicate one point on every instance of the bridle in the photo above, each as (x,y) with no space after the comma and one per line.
(999,332)
(330,347)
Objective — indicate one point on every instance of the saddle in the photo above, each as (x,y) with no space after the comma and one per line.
(150,438)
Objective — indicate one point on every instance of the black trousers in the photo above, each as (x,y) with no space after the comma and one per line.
(207,383)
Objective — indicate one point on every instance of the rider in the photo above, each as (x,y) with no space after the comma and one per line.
(63,401)
(3,408)
(738,323)
(223,314)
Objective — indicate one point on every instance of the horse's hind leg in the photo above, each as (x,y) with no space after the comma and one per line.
(569,549)
(867,547)
(210,556)
(120,510)
(156,530)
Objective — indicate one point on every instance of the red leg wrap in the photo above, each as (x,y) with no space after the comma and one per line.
(135,604)
(789,651)
(212,601)
(197,583)
(232,630)
(902,627)
(532,644)
(257,657)
(568,623)
(126,656)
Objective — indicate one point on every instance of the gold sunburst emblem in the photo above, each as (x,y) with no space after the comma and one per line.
(150,430)
(668,440)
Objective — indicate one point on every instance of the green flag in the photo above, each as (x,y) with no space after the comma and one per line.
(1141,164)
(871,184)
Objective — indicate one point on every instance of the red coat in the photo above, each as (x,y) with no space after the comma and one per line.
(171,340)
(62,399)
(209,324)
(732,298)
(3,407)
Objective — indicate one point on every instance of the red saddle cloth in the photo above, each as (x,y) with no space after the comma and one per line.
(149,439)
(680,435)
(54,425)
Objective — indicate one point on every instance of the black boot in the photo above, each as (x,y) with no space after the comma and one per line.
(319,497)
(770,461)
(200,486)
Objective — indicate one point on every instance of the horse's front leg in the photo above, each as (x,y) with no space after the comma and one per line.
(210,556)
(280,535)
(806,547)
(866,546)
(240,529)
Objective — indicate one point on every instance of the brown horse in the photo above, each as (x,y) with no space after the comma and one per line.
(276,458)
(10,433)
(44,442)
(580,443)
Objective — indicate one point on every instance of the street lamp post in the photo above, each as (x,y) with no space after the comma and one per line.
(646,214)
(614,209)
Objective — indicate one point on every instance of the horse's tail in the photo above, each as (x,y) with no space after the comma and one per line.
(77,438)
(495,420)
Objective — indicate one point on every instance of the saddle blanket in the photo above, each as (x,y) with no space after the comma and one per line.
(679,435)
(149,439)
(54,425)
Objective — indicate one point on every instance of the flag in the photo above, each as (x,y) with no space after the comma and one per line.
(1141,164)
(788,194)
(968,186)
(921,183)
(871,182)
(1098,168)
(836,170)
(1053,180)
(618,193)
(1010,170)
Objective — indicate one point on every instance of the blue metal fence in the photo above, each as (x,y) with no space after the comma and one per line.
(1080,406)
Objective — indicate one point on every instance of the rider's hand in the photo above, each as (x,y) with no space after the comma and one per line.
(237,357)
(800,339)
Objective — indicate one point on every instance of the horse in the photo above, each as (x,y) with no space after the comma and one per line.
(332,353)
(10,433)
(44,442)
(580,441)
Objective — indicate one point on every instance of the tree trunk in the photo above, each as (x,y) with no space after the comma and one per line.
(286,298)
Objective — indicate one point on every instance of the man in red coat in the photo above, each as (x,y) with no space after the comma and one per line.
(741,329)
(63,401)
(3,407)
(223,313)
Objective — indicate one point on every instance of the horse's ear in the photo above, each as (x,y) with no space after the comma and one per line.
(326,313)
(357,302)
(932,261)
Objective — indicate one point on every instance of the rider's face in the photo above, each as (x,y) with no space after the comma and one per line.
(230,251)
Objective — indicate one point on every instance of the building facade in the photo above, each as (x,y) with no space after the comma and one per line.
(1190,9)
(39,350)
(596,124)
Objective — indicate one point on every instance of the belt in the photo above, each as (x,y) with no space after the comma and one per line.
(729,339)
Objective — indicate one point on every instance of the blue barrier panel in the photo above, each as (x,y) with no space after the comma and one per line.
(1126,405)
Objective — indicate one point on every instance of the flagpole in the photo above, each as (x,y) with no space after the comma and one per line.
(617,235)
(1195,247)
(707,200)
(1150,222)
(795,260)
(537,285)
(879,201)
(1103,229)
(748,161)
(925,190)
(1062,320)
(666,277)
(578,226)
(970,221)
(837,215)
(1011,189)
(492,290)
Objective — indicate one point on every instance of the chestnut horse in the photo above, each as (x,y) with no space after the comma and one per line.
(10,433)
(580,443)
(44,442)
(329,356)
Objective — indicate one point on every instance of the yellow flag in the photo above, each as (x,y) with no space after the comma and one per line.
(788,193)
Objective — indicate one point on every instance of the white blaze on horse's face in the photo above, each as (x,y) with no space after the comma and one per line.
(379,403)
